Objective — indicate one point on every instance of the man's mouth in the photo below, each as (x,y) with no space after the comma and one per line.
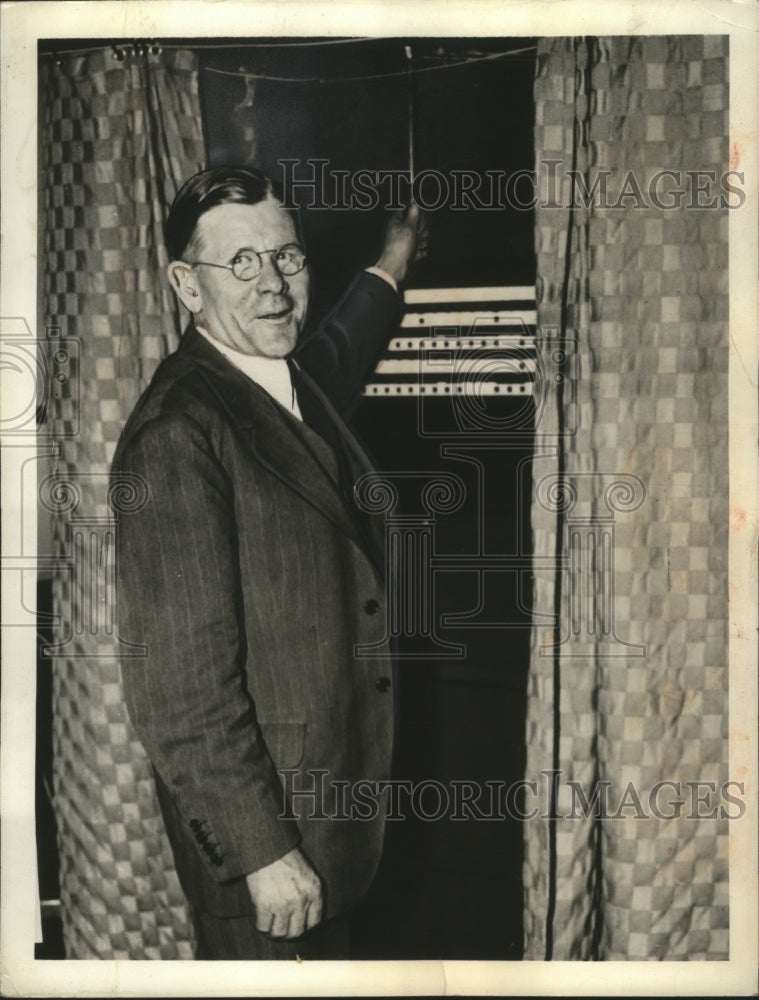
(277,316)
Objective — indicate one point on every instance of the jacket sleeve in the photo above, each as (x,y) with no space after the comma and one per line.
(179,595)
(343,351)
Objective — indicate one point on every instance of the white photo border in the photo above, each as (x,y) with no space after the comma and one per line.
(23,24)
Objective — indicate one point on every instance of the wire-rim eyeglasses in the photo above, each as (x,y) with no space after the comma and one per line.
(248,264)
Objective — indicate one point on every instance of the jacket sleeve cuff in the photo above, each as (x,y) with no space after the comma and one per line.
(384,275)
(267,838)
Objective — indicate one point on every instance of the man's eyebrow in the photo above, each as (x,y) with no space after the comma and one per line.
(242,250)
(288,243)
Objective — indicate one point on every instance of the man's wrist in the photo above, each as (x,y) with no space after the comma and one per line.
(382,273)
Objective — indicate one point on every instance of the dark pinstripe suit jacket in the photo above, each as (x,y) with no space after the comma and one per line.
(250,580)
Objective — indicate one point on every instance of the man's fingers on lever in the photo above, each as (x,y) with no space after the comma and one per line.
(412,212)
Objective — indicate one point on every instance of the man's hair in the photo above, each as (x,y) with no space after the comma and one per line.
(206,190)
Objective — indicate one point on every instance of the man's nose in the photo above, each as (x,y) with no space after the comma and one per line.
(271,278)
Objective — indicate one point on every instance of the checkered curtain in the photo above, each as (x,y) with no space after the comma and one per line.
(630,507)
(118,133)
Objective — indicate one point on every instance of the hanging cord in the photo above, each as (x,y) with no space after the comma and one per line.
(410,74)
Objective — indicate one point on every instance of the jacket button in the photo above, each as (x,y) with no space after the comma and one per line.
(371,607)
(382,684)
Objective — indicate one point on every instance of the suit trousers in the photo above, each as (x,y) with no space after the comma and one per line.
(236,939)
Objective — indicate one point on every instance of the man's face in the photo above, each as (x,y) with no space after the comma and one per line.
(262,316)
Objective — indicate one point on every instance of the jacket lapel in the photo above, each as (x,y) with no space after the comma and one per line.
(276,440)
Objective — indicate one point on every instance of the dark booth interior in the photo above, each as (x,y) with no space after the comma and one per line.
(450,881)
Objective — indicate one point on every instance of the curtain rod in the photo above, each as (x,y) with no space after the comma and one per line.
(51,49)
(119,46)
(376,76)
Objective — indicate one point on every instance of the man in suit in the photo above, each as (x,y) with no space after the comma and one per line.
(250,575)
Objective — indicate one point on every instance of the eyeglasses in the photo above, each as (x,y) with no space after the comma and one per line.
(247,264)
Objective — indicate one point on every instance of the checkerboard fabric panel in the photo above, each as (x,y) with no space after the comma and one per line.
(117,138)
(628,691)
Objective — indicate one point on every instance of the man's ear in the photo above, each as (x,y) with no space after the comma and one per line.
(182,280)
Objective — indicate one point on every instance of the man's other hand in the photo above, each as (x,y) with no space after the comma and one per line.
(405,242)
(287,895)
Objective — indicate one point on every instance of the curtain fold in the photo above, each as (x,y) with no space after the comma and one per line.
(630,508)
(119,132)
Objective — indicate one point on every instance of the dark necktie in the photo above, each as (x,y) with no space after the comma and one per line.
(311,408)
(316,416)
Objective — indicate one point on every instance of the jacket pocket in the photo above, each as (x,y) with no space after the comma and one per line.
(285,742)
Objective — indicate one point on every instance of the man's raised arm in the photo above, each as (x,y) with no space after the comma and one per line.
(344,349)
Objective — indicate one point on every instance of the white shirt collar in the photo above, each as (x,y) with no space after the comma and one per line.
(272,374)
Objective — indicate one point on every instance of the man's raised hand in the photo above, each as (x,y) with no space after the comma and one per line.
(405,242)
